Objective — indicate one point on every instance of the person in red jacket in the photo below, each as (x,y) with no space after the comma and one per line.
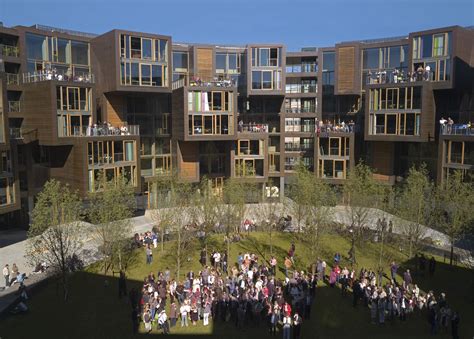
(287,310)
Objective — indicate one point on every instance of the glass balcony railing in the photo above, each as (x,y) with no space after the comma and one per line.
(15,133)
(337,128)
(300,88)
(59,76)
(100,131)
(253,128)
(11,51)
(13,79)
(14,106)
(204,82)
(299,147)
(295,110)
(302,68)
(457,129)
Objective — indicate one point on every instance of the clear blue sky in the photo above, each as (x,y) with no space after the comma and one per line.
(296,23)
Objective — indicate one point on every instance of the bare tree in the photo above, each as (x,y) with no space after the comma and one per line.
(363,193)
(415,206)
(110,209)
(455,201)
(55,232)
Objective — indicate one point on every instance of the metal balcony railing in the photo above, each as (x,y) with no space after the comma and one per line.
(8,50)
(13,79)
(14,106)
(59,76)
(457,129)
(293,110)
(15,133)
(253,128)
(101,131)
(300,88)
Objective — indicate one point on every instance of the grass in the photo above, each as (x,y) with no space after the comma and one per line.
(95,311)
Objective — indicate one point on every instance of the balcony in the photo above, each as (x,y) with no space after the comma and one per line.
(299,147)
(14,106)
(204,82)
(337,128)
(300,89)
(102,131)
(10,51)
(13,79)
(15,133)
(311,109)
(395,76)
(458,129)
(302,68)
(68,76)
(253,128)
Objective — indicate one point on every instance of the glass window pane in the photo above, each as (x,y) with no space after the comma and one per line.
(395,59)
(221,62)
(63,51)
(80,53)
(146,49)
(146,74)
(264,57)
(180,61)
(256,80)
(36,47)
(157,75)
(163,50)
(135,74)
(371,58)
(427,46)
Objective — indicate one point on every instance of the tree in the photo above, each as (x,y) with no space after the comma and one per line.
(415,205)
(207,211)
(55,231)
(314,200)
(110,209)
(164,204)
(363,193)
(268,218)
(454,201)
(231,209)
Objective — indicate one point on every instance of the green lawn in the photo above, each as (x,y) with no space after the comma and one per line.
(95,311)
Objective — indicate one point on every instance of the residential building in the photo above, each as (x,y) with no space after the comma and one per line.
(82,107)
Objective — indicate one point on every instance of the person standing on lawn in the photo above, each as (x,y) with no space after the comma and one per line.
(6,275)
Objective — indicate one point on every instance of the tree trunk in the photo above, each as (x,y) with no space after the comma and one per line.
(162,240)
(178,256)
(451,256)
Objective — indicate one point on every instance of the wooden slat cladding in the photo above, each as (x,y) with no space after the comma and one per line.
(345,70)
(115,108)
(205,63)
(188,161)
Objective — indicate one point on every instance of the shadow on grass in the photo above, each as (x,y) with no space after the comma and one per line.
(94,309)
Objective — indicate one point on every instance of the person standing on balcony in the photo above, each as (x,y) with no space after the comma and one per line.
(442,123)
(450,125)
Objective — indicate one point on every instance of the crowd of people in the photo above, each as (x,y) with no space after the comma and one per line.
(394,299)
(400,76)
(106,129)
(246,294)
(328,126)
(54,74)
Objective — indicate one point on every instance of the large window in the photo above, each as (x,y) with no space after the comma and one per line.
(403,98)
(210,101)
(403,124)
(329,60)
(63,56)
(266,57)
(143,74)
(432,45)
(333,169)
(7,191)
(143,48)
(73,98)
(266,80)
(334,147)
(227,63)
(394,57)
